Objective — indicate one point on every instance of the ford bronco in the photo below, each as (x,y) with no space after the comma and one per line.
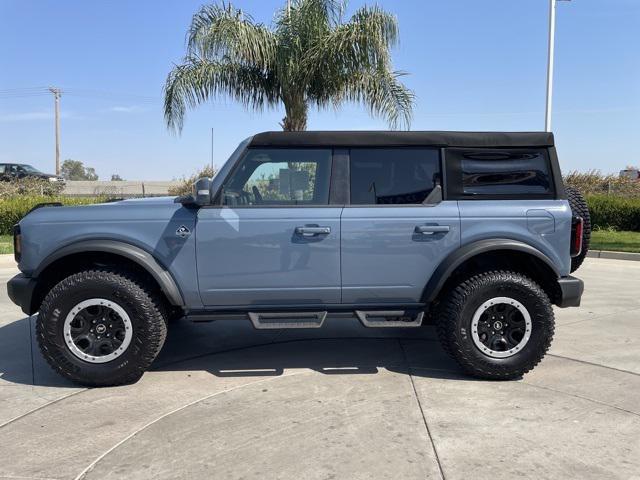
(474,232)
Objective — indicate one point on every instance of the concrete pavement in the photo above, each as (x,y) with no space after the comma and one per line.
(226,401)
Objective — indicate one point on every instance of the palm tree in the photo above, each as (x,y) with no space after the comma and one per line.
(310,57)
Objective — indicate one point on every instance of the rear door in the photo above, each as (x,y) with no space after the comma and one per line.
(396,229)
(275,239)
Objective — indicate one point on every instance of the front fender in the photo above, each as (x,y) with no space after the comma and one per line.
(136,254)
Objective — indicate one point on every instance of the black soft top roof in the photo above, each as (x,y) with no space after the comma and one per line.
(401,139)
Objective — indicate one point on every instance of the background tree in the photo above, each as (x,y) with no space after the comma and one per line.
(75,170)
(310,57)
(116,178)
(186,184)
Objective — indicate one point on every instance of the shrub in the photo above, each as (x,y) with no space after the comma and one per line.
(29,186)
(186,184)
(614,212)
(12,209)
(595,183)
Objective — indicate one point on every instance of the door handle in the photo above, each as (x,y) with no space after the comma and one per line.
(309,231)
(431,229)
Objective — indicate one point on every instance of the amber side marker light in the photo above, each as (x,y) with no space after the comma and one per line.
(17,243)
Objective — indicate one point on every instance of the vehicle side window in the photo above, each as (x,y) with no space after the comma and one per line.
(3,169)
(280,177)
(393,176)
(483,173)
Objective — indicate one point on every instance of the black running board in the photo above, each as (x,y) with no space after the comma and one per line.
(280,320)
(389,318)
(283,319)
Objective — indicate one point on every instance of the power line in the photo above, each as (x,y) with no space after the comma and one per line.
(26,92)
(22,95)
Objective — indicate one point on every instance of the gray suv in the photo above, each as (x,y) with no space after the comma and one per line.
(474,232)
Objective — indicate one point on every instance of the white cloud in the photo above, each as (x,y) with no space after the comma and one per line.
(125,109)
(25,116)
(32,116)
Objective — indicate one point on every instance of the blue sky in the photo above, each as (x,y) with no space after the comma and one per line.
(473,64)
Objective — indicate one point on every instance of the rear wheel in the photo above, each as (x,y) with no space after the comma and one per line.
(496,325)
(101,327)
(580,208)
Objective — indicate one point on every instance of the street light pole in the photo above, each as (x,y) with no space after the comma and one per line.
(550,55)
(552,34)
(211,150)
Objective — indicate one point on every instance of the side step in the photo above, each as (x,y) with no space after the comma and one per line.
(389,318)
(278,320)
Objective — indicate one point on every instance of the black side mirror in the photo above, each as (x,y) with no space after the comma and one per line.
(199,196)
(202,191)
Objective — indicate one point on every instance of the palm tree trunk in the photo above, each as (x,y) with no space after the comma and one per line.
(295,115)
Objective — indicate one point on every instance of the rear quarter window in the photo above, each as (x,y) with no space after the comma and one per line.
(499,173)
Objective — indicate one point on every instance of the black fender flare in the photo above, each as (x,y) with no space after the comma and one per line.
(136,254)
(466,252)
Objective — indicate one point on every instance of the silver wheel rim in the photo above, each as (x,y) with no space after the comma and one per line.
(97,330)
(482,319)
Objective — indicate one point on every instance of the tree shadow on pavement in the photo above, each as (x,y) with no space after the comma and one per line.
(235,349)
(341,347)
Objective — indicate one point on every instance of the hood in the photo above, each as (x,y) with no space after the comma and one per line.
(135,209)
(45,175)
(141,201)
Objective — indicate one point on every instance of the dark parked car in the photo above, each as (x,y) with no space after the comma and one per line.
(11,171)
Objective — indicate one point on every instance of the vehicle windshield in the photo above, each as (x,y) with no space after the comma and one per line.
(29,169)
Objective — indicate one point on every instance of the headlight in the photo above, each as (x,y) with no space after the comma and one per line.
(17,243)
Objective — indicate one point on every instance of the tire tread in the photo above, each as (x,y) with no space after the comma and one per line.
(148,300)
(452,306)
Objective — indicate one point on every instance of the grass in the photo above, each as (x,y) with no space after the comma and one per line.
(6,244)
(615,241)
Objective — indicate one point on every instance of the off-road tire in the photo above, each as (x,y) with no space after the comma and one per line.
(455,316)
(141,303)
(580,208)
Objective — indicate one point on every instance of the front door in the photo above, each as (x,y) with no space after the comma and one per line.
(396,230)
(274,239)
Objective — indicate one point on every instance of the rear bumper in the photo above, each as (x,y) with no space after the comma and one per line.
(20,290)
(571,289)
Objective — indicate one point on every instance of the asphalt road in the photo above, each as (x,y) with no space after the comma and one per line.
(343,402)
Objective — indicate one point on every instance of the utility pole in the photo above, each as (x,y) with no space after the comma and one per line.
(550,55)
(211,150)
(56,95)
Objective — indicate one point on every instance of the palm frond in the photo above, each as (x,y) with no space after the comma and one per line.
(383,93)
(197,80)
(309,56)
(362,43)
(224,31)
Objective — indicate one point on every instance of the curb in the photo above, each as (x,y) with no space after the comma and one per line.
(614,255)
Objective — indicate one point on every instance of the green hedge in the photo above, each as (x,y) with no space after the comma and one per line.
(30,186)
(12,209)
(614,212)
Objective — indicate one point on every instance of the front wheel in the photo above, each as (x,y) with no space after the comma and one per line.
(496,325)
(101,327)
